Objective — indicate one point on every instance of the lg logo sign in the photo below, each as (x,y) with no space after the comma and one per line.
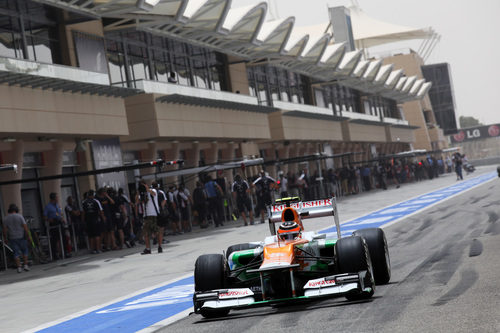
(468,134)
(477,133)
(471,134)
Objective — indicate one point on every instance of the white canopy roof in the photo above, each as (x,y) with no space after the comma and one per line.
(247,33)
(370,32)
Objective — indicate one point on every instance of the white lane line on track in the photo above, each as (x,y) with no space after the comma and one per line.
(155,327)
(96,307)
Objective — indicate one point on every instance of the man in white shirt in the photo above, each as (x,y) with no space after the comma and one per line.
(150,227)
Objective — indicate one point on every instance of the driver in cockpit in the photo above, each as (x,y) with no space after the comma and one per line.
(289,230)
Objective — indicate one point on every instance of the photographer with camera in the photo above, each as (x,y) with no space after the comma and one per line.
(149,197)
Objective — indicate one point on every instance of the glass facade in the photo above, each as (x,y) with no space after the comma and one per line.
(269,83)
(136,55)
(383,107)
(28,30)
(338,98)
(441,96)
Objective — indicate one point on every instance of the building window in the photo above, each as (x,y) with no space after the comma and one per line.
(29,31)
(148,57)
(90,52)
(270,83)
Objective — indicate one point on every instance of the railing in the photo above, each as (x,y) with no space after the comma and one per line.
(302,107)
(361,116)
(52,71)
(173,88)
(395,121)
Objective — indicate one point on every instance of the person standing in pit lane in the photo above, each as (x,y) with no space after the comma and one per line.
(54,218)
(162,218)
(200,204)
(108,235)
(283,185)
(150,227)
(214,192)
(457,159)
(240,191)
(91,212)
(264,185)
(117,213)
(185,202)
(16,232)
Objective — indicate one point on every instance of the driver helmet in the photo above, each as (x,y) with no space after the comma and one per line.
(288,230)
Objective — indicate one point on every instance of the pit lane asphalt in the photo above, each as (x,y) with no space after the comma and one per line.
(427,246)
(446,264)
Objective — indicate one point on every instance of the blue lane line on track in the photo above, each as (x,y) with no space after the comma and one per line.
(146,309)
(135,313)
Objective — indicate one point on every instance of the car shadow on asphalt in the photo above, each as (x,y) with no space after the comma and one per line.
(309,305)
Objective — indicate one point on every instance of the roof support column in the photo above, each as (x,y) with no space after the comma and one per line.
(312,166)
(149,154)
(250,150)
(271,155)
(192,157)
(367,151)
(229,154)
(294,152)
(344,148)
(53,166)
(358,149)
(385,148)
(12,193)
(212,156)
(85,163)
(284,153)
(170,155)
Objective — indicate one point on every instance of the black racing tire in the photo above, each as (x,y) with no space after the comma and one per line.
(240,247)
(353,256)
(379,253)
(210,273)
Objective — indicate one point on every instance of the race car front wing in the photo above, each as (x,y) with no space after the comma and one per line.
(331,286)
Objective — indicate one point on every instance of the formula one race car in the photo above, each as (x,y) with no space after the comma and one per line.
(291,264)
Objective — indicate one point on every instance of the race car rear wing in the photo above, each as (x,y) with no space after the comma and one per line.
(306,210)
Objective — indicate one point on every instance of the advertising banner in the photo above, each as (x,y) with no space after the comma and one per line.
(107,153)
(476,133)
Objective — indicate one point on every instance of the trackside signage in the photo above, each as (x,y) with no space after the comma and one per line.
(307,204)
(476,133)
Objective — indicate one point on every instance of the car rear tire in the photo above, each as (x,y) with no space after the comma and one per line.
(352,257)
(240,247)
(379,253)
(210,273)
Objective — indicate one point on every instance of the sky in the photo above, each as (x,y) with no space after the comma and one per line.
(469,41)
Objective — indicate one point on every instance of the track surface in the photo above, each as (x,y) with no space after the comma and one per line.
(446,264)
(436,285)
